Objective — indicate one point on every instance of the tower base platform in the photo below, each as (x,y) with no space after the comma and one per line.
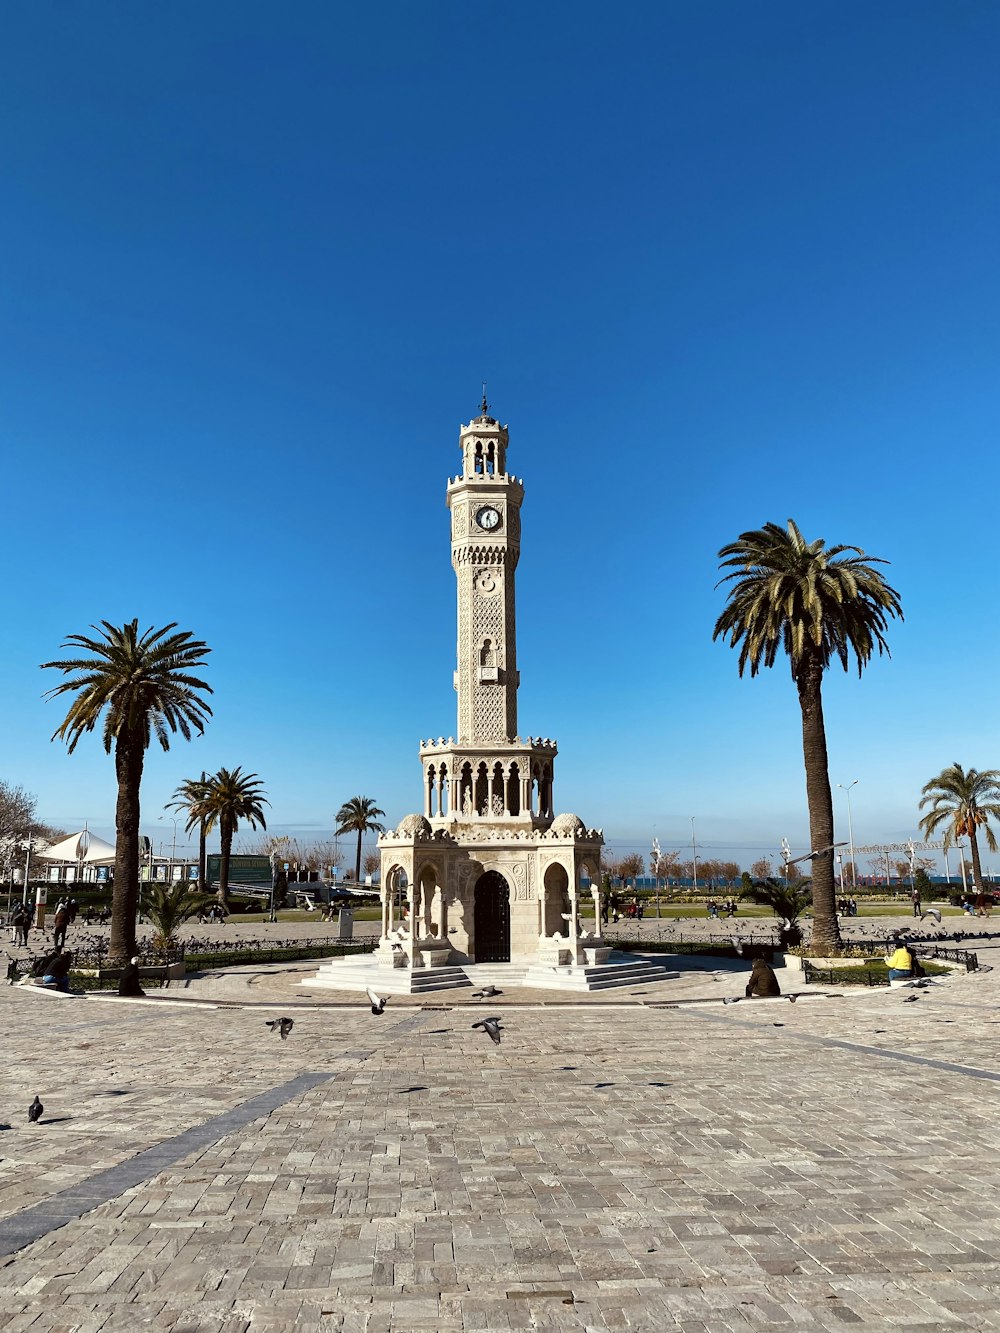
(620,970)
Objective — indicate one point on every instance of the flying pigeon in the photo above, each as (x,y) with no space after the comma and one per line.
(377,1002)
(935,912)
(737,945)
(35,1110)
(282,1026)
(492,1026)
(487,993)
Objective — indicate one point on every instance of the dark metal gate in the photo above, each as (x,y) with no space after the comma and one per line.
(491,918)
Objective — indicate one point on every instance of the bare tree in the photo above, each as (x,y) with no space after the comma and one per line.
(761,868)
(371,862)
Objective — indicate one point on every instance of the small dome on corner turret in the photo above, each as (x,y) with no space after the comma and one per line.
(414,826)
(568,825)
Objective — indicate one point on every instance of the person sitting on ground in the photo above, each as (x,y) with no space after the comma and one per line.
(58,971)
(128,984)
(763,982)
(900,961)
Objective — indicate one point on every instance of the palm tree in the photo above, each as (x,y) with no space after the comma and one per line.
(168,906)
(142,686)
(963,802)
(222,800)
(786,901)
(358,816)
(190,791)
(816,604)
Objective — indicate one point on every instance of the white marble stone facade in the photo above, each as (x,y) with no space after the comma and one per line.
(487,871)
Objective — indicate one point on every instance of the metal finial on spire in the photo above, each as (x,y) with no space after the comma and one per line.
(484,407)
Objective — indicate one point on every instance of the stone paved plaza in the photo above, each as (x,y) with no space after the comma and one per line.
(614,1164)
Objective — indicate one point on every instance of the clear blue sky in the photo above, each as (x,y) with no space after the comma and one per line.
(720,264)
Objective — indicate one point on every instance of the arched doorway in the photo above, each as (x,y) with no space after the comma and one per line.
(491,917)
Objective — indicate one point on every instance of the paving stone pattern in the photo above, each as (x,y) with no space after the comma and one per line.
(616,1166)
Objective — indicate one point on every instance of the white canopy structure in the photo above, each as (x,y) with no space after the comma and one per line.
(84,847)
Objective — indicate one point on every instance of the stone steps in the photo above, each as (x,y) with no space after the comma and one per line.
(603,976)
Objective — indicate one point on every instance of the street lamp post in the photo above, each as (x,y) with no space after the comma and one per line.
(655,858)
(694,857)
(274,880)
(173,848)
(850,833)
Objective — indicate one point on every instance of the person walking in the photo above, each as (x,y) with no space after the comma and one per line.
(21,921)
(59,924)
(915,897)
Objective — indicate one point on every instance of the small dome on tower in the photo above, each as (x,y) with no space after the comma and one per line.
(414,826)
(568,825)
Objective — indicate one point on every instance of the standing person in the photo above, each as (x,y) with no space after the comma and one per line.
(852,908)
(915,897)
(72,908)
(21,921)
(59,923)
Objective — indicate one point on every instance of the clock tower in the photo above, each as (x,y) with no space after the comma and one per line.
(485,504)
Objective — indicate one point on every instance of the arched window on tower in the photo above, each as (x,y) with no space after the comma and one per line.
(514,790)
(482,790)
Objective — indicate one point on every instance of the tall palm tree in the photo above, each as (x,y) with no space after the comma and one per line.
(816,604)
(963,801)
(141,684)
(221,801)
(190,791)
(358,816)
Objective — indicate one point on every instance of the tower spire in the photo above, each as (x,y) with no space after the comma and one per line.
(484,407)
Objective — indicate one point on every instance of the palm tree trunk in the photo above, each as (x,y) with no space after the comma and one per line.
(202,863)
(129,755)
(357,864)
(225,848)
(825,930)
(977,870)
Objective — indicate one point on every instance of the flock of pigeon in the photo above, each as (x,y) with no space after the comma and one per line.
(491,1026)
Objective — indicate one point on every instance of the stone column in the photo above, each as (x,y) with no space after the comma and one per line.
(595,893)
(542,929)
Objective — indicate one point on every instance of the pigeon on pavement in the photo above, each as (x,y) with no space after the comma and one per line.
(487,993)
(377,1002)
(35,1110)
(492,1027)
(730,999)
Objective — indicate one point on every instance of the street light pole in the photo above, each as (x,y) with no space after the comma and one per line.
(694,857)
(850,833)
(655,858)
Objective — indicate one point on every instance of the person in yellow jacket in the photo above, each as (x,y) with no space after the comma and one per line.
(900,962)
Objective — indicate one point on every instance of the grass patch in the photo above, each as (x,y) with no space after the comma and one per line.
(871,973)
(198,962)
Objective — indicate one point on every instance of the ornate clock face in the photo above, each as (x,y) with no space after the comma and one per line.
(488,518)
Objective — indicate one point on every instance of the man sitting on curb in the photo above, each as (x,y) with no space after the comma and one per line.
(762,981)
(900,962)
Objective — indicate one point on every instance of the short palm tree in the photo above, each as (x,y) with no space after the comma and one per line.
(358,815)
(221,801)
(168,906)
(814,603)
(786,901)
(963,801)
(142,686)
